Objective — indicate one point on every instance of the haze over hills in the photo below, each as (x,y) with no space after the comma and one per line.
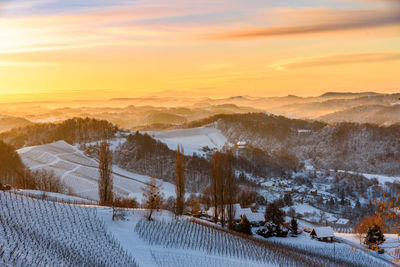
(7,123)
(157,113)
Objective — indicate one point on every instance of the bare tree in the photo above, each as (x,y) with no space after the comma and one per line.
(152,196)
(231,188)
(180,181)
(105,170)
(216,175)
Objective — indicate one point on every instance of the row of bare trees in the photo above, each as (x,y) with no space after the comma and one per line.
(223,187)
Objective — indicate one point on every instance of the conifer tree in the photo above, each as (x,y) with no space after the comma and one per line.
(294,227)
(374,237)
(244,226)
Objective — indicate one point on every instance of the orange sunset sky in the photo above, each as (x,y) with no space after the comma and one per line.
(99,49)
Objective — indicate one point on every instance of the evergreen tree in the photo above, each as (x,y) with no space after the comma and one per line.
(180,181)
(287,198)
(374,237)
(105,172)
(342,197)
(331,202)
(274,214)
(244,226)
(294,227)
(358,205)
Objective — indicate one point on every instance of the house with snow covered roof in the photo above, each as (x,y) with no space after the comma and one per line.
(253,217)
(343,221)
(323,233)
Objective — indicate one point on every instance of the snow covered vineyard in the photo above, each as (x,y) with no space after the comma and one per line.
(43,233)
(80,172)
(36,232)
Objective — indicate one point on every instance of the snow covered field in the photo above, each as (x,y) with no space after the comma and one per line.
(390,245)
(57,197)
(193,140)
(80,172)
(44,233)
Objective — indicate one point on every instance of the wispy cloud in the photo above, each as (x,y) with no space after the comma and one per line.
(314,21)
(337,60)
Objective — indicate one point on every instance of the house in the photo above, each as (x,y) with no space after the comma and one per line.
(288,191)
(314,192)
(323,233)
(343,221)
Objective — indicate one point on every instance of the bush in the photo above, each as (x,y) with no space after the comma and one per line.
(244,226)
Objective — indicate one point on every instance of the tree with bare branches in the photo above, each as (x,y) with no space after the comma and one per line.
(231,188)
(180,180)
(216,177)
(152,198)
(105,172)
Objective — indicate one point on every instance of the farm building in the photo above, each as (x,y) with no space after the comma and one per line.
(323,233)
(343,221)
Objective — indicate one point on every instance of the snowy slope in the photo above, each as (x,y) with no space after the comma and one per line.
(390,246)
(43,233)
(193,139)
(80,172)
(36,232)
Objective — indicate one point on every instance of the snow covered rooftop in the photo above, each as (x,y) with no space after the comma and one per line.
(322,232)
(342,221)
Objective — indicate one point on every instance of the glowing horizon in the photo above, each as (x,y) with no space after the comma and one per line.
(56,50)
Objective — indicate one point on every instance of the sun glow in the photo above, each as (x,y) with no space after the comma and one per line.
(149,46)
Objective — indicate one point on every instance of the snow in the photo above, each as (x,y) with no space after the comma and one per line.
(303,131)
(382,179)
(390,245)
(147,253)
(239,211)
(306,209)
(342,221)
(322,232)
(193,140)
(53,196)
(80,172)
(342,251)
(46,233)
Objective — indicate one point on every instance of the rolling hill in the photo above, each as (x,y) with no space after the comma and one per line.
(80,172)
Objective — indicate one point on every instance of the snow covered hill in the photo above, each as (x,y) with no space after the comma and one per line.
(42,233)
(80,172)
(45,233)
(193,140)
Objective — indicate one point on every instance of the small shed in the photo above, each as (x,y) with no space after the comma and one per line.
(323,233)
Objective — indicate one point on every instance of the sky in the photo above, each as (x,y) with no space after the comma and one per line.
(100,49)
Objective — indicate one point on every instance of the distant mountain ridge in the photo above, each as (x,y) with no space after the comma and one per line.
(7,123)
(347,94)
